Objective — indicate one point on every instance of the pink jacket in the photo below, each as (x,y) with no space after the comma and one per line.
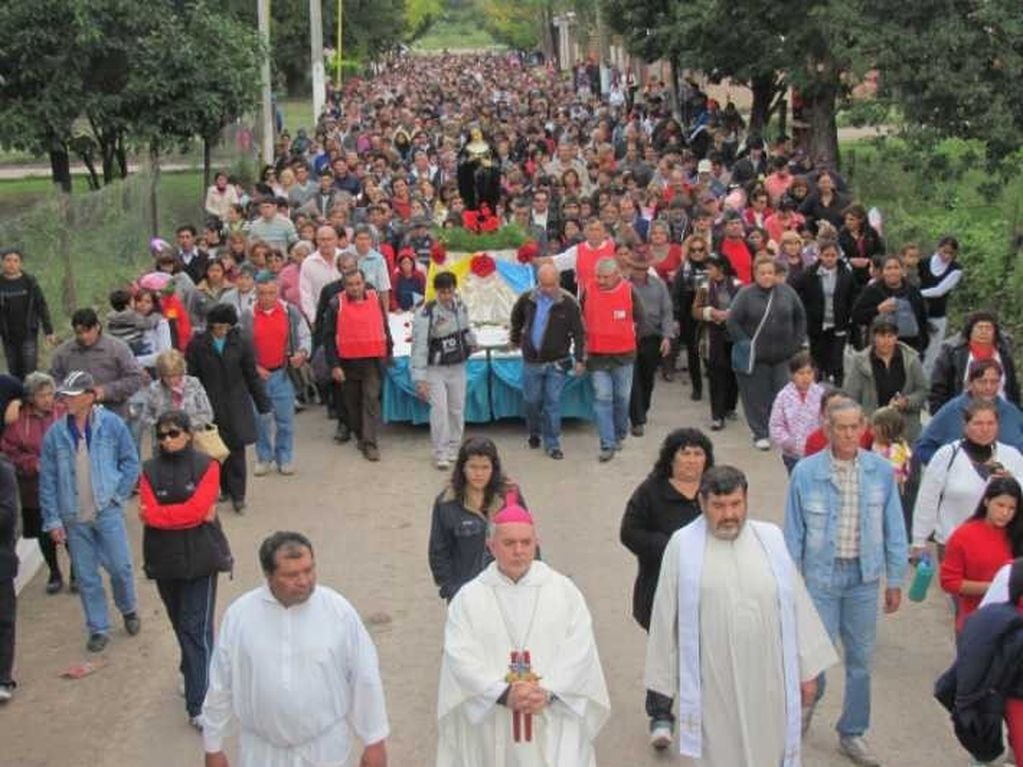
(288,280)
(794,418)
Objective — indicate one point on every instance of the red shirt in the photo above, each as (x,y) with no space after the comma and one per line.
(975,552)
(738,255)
(270,336)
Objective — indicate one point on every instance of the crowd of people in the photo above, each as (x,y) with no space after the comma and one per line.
(651,241)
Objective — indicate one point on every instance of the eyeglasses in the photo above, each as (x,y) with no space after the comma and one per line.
(171,434)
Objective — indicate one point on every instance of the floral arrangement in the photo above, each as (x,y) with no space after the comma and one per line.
(527,252)
(481,221)
(438,253)
(482,265)
(508,237)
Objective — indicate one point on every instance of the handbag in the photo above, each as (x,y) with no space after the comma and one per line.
(208,441)
(743,354)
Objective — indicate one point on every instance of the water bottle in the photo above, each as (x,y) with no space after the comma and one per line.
(922,579)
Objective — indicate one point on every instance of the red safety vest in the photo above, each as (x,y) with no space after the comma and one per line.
(607,315)
(360,328)
(586,258)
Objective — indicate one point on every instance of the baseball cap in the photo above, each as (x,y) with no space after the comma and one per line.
(77,382)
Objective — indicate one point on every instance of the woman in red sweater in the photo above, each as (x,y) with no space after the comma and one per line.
(183,547)
(979,547)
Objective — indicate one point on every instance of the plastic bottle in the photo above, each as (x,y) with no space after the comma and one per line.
(922,579)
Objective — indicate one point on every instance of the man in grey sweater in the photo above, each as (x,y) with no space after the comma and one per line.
(653,336)
(770,317)
(442,341)
(108,360)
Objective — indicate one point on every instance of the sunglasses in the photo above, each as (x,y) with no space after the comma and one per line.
(171,434)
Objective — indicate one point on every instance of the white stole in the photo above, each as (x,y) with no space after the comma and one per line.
(690,700)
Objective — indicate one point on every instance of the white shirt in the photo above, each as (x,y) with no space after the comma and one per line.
(295,680)
(313,276)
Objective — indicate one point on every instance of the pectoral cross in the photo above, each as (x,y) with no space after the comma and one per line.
(520,669)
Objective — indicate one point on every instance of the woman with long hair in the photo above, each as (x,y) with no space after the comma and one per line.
(981,545)
(461,513)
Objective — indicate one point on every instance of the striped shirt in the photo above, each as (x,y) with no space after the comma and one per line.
(846,475)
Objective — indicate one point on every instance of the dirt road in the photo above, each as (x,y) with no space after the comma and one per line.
(370,523)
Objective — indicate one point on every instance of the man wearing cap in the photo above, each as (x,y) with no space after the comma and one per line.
(371,262)
(114,369)
(705,179)
(520,681)
(272,228)
(654,335)
(612,310)
(88,468)
(280,338)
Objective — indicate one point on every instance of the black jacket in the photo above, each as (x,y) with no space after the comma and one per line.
(988,669)
(564,326)
(9,513)
(815,211)
(38,312)
(873,245)
(232,384)
(949,372)
(865,309)
(458,551)
(808,286)
(654,512)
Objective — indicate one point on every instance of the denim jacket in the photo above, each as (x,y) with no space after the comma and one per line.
(811,520)
(114,466)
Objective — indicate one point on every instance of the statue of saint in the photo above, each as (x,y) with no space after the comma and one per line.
(479,180)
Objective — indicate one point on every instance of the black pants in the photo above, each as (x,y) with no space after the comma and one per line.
(338,399)
(827,350)
(644,373)
(362,403)
(22,356)
(724,389)
(233,474)
(190,607)
(49,551)
(8,612)
(690,337)
(658,707)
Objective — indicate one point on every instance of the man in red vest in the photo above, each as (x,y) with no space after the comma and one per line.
(583,257)
(359,344)
(611,312)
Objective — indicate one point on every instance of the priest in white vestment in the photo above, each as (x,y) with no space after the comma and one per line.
(519,605)
(294,672)
(734,636)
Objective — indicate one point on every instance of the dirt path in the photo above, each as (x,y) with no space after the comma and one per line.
(370,523)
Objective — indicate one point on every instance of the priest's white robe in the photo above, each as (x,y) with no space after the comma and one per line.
(475,730)
(741,670)
(294,681)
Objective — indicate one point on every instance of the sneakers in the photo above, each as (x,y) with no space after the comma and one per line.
(533,442)
(555,453)
(132,623)
(6,691)
(606,454)
(637,430)
(287,469)
(717,424)
(660,734)
(97,643)
(55,583)
(261,469)
(855,747)
(762,444)
(442,464)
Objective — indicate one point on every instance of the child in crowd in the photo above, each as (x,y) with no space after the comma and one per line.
(796,411)
(125,323)
(888,427)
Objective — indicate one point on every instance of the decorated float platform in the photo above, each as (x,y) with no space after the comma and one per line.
(489,282)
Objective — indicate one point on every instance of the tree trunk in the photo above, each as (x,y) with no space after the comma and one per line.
(673,66)
(822,143)
(60,166)
(206,161)
(763,88)
(154,182)
(122,156)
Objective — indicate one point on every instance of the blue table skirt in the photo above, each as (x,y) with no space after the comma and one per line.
(501,375)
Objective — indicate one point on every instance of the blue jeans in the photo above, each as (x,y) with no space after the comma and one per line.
(103,541)
(281,447)
(541,389)
(611,392)
(848,610)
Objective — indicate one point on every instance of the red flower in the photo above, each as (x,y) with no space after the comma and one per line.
(482,220)
(528,252)
(438,253)
(482,265)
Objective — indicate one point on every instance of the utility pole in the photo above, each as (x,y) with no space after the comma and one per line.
(266,113)
(316,56)
(340,48)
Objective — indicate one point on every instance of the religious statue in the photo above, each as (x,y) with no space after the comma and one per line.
(479,179)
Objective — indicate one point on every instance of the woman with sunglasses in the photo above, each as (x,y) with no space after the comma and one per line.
(183,547)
